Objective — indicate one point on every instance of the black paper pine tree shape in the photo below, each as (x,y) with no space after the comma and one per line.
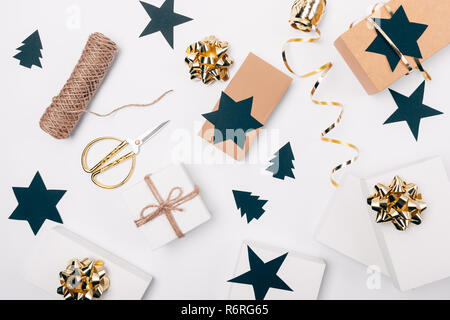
(282,163)
(30,52)
(249,205)
(37,204)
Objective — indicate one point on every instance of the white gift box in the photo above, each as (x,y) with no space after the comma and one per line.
(159,231)
(301,273)
(345,225)
(413,258)
(420,254)
(60,245)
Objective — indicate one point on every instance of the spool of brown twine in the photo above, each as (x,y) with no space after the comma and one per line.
(61,117)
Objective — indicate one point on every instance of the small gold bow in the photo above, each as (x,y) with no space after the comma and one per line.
(400,203)
(166,206)
(83,280)
(208,60)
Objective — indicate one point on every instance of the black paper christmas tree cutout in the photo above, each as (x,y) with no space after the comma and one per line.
(404,35)
(37,204)
(233,120)
(411,109)
(30,51)
(282,163)
(251,206)
(163,19)
(262,275)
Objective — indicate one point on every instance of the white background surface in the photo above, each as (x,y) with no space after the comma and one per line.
(199,265)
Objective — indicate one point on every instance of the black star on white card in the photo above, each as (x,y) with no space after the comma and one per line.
(37,204)
(262,275)
(233,120)
(163,19)
(411,109)
(403,33)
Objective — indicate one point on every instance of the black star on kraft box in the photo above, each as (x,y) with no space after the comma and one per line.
(419,28)
(403,33)
(250,205)
(233,120)
(37,204)
(411,109)
(282,165)
(163,19)
(30,51)
(245,106)
(262,275)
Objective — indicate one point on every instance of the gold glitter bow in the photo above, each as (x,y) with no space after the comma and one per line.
(400,203)
(83,280)
(208,60)
(305,15)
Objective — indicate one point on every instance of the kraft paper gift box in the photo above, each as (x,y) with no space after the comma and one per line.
(290,275)
(372,69)
(160,231)
(60,245)
(413,258)
(258,82)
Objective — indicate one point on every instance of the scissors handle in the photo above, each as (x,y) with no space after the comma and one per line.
(100,167)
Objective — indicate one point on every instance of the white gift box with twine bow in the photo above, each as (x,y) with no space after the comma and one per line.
(166,205)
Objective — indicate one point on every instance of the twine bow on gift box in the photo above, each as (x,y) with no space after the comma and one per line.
(400,202)
(167,206)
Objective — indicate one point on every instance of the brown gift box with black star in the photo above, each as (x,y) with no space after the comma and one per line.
(255,79)
(372,69)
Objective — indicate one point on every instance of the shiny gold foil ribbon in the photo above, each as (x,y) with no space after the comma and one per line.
(391,43)
(208,60)
(305,15)
(83,280)
(399,203)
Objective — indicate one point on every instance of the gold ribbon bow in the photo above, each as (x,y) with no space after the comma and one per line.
(400,203)
(305,15)
(208,60)
(83,280)
(165,207)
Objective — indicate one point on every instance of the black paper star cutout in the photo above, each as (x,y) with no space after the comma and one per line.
(36,204)
(262,276)
(411,109)
(163,19)
(403,33)
(233,120)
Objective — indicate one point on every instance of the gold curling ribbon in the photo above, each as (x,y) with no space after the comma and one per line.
(391,43)
(83,280)
(305,15)
(208,60)
(399,203)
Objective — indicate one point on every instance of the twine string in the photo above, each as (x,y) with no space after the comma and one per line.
(66,109)
(124,106)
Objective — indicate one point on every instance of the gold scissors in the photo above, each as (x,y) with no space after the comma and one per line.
(104,164)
